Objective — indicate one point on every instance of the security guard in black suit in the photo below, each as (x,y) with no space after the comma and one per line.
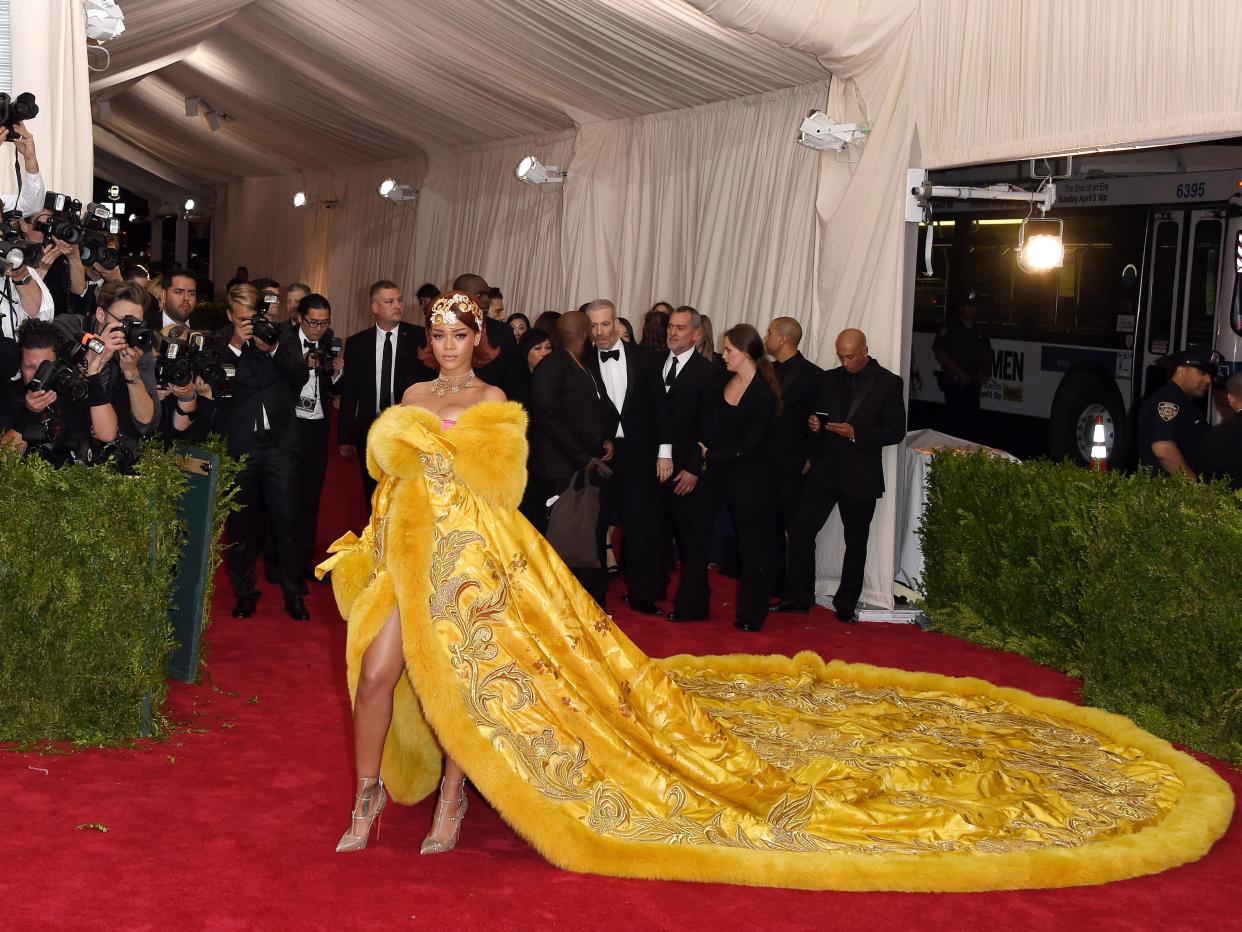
(1220,453)
(257,420)
(859,410)
(965,357)
(1170,421)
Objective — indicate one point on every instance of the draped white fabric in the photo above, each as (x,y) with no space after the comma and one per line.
(711,206)
(475,216)
(49,60)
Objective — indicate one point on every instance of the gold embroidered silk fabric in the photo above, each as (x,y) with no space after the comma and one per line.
(775,770)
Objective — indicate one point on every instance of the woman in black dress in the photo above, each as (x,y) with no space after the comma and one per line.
(733,434)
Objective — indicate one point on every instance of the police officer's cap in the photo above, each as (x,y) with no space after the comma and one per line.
(1197,359)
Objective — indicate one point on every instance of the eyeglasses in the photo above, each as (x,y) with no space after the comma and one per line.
(316,323)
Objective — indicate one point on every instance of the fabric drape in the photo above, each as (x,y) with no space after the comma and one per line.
(475,216)
(710,206)
(48,54)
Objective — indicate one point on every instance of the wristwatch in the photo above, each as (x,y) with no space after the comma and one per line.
(21,281)
(134,381)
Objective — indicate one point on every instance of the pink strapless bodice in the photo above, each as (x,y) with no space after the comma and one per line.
(447,423)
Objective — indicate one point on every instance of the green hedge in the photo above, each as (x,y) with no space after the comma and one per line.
(1130,582)
(87,562)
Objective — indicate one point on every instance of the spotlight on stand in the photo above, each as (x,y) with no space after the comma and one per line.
(533,171)
(397,193)
(820,131)
(1040,245)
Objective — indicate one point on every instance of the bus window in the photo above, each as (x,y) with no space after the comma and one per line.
(1163,283)
(1204,269)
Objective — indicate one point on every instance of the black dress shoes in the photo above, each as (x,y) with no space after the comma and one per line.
(748,625)
(295,608)
(246,604)
(788,607)
(679,616)
(644,606)
(847,618)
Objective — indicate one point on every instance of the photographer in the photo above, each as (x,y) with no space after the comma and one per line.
(130,374)
(180,376)
(312,332)
(258,421)
(23,294)
(70,420)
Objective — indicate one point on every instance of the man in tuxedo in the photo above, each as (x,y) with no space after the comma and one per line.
(314,319)
(571,427)
(689,378)
(502,371)
(789,440)
(630,376)
(381,362)
(178,295)
(258,421)
(859,410)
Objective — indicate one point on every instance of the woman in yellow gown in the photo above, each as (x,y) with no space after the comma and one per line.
(778,771)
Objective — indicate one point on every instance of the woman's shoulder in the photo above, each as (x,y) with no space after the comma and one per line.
(493,394)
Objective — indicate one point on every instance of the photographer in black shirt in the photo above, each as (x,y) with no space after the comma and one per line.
(52,409)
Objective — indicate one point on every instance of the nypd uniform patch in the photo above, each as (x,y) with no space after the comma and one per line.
(1167,410)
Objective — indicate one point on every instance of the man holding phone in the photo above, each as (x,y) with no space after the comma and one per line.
(858,411)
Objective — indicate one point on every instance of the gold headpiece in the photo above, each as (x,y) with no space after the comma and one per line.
(450,308)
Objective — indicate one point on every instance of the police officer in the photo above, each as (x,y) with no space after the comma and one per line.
(965,357)
(1220,453)
(1170,424)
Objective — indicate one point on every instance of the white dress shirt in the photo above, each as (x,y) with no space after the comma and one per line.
(666,449)
(310,405)
(30,201)
(616,379)
(379,361)
(13,314)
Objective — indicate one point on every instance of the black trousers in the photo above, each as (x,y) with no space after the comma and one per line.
(814,506)
(747,492)
(632,493)
(269,476)
(787,489)
(312,466)
(369,485)
(962,409)
(691,523)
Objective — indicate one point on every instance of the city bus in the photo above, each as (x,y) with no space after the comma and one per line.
(1153,265)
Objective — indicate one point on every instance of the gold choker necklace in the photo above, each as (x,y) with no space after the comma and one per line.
(451,386)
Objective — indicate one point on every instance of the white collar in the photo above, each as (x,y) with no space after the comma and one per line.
(380,332)
(682,357)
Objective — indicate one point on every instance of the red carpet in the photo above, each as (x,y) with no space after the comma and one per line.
(231,823)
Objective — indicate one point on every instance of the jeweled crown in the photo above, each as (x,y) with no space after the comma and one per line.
(448,309)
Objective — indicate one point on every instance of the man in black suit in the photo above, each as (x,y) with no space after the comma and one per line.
(178,295)
(630,377)
(313,319)
(571,427)
(689,378)
(1220,450)
(502,371)
(381,362)
(258,421)
(859,410)
(789,441)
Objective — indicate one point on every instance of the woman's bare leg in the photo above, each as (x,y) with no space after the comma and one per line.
(382,665)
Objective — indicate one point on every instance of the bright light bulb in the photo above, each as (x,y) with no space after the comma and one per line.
(386,186)
(189,204)
(299,199)
(1042,252)
(1097,433)
(133,217)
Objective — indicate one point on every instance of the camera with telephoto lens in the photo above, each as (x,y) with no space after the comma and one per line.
(173,365)
(17,109)
(261,326)
(326,351)
(64,220)
(15,250)
(98,224)
(64,379)
(137,334)
(191,354)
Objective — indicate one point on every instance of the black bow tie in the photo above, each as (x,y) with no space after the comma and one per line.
(605,355)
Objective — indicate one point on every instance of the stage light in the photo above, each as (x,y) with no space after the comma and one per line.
(1040,245)
(103,109)
(820,131)
(191,106)
(390,190)
(533,171)
(299,200)
(189,204)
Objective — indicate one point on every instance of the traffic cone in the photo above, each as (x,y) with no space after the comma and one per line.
(1099,453)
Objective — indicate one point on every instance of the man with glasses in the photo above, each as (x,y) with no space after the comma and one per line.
(858,410)
(314,320)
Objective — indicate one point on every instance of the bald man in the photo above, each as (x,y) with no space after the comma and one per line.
(501,371)
(859,409)
(789,440)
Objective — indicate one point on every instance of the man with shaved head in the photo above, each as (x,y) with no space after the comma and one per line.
(789,440)
(858,410)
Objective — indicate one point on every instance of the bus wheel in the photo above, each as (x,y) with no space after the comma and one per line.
(1082,398)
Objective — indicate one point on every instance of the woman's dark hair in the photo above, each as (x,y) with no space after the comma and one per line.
(629,328)
(517,315)
(483,353)
(427,290)
(662,307)
(746,338)
(313,302)
(655,331)
(532,338)
(547,322)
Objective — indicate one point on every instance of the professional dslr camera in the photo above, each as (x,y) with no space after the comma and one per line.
(88,230)
(16,110)
(190,354)
(63,378)
(15,250)
(326,351)
(261,325)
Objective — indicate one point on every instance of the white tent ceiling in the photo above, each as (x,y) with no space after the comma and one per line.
(318,84)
